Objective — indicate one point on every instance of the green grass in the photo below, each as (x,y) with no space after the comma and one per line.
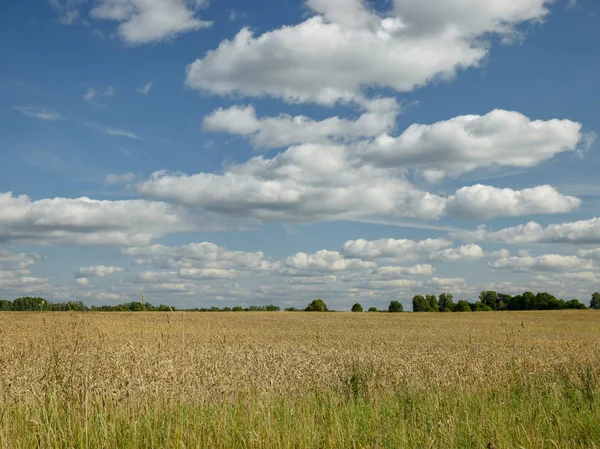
(528,412)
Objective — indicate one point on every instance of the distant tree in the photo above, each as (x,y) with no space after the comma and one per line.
(272,308)
(291,309)
(573,304)
(357,308)
(595,302)
(463,306)
(238,309)
(395,306)
(27,303)
(373,309)
(489,298)
(503,301)
(432,303)
(445,302)
(5,305)
(479,307)
(317,305)
(419,303)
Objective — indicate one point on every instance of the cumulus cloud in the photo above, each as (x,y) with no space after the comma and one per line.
(589,253)
(203,255)
(83,221)
(306,183)
(465,143)
(346,46)
(484,202)
(15,274)
(98,271)
(546,262)
(10,261)
(37,112)
(146,21)
(391,272)
(577,232)
(399,250)
(285,130)
(322,261)
(465,253)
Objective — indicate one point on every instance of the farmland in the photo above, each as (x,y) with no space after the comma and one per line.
(300,380)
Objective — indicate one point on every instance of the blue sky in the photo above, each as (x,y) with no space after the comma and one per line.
(217,153)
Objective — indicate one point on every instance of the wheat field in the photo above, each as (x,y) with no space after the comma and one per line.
(300,380)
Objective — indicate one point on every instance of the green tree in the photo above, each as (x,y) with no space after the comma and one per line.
(445,302)
(432,303)
(503,301)
(489,298)
(463,306)
(395,306)
(419,303)
(357,308)
(573,304)
(595,302)
(317,305)
(373,309)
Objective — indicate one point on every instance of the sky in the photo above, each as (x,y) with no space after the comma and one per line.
(224,152)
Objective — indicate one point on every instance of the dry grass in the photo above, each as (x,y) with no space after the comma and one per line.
(526,379)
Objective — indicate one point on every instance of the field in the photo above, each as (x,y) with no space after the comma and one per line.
(300,380)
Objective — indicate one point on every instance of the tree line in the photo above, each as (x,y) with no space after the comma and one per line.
(28,303)
(489,300)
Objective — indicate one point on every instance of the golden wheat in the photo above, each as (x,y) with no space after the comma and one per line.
(123,365)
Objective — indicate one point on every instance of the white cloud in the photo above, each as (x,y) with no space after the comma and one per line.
(145,88)
(113,178)
(121,133)
(10,261)
(346,47)
(399,250)
(82,281)
(146,21)
(108,296)
(323,182)
(465,253)
(589,253)
(322,261)
(90,94)
(98,271)
(465,143)
(94,94)
(41,113)
(207,273)
(391,272)
(485,202)
(203,255)
(306,183)
(83,221)
(68,10)
(546,262)
(285,130)
(581,232)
